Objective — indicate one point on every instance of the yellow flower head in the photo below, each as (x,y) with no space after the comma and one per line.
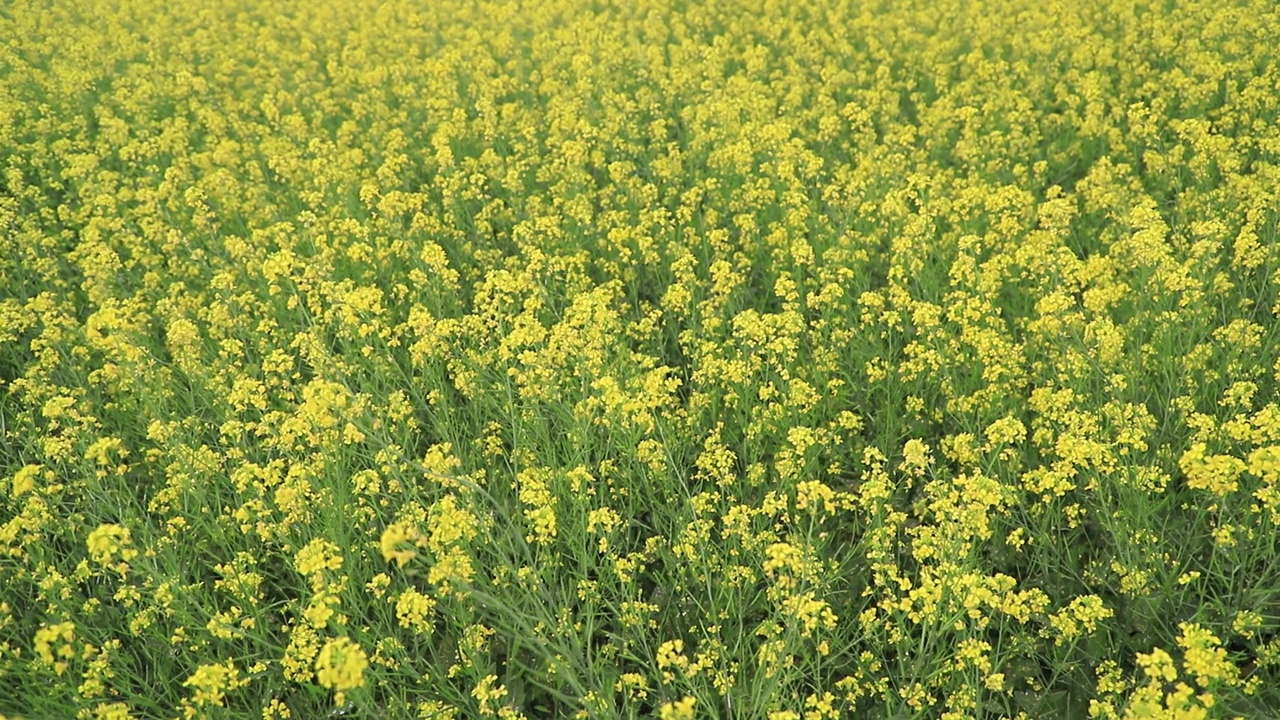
(679,710)
(53,645)
(394,542)
(211,682)
(318,555)
(108,542)
(340,666)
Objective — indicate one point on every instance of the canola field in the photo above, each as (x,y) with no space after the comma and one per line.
(675,359)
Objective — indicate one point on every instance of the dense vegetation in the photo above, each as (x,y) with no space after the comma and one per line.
(677,359)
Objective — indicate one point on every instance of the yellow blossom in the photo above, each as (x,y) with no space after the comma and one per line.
(340,666)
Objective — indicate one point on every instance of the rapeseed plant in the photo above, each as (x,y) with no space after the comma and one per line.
(736,359)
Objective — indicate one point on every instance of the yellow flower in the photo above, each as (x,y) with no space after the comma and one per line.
(413,609)
(304,646)
(340,666)
(1247,622)
(394,538)
(211,682)
(678,710)
(635,685)
(47,637)
(783,557)
(108,541)
(24,481)
(317,556)
(1158,665)
(808,613)
(485,692)
(112,711)
(671,656)
(535,495)
(1203,656)
(1215,473)
(276,710)
(916,456)
(1082,612)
